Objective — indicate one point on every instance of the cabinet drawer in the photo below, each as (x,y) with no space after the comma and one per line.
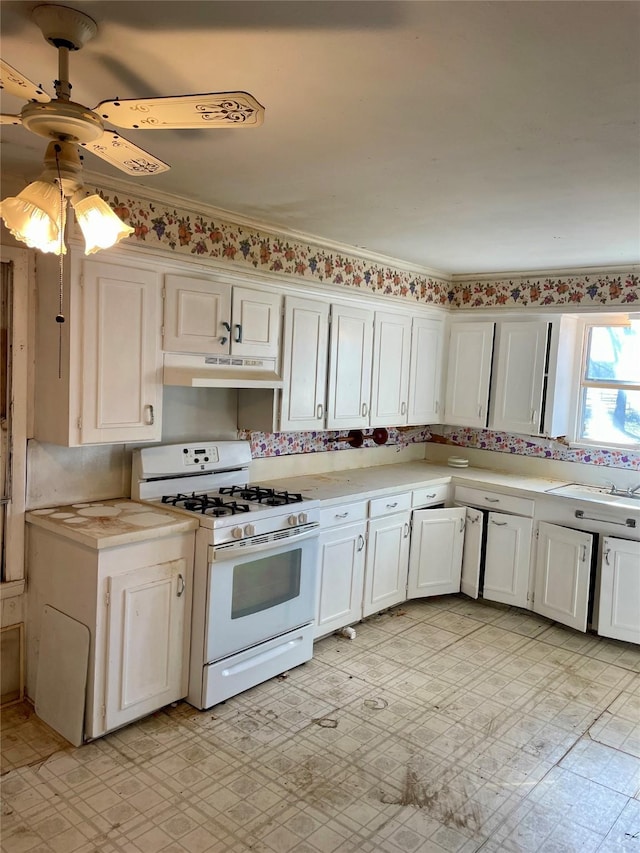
(389,504)
(493,500)
(334,516)
(430,495)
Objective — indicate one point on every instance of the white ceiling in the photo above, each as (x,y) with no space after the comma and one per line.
(465,137)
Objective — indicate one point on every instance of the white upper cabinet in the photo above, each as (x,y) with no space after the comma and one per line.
(468,374)
(425,372)
(349,367)
(99,374)
(390,379)
(533,372)
(212,316)
(305,352)
(519,376)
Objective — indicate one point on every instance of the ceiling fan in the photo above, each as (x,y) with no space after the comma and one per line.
(70,124)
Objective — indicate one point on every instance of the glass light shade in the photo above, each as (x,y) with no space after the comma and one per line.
(100,225)
(35,218)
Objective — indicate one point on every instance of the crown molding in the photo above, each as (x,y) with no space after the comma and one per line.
(575,272)
(204,209)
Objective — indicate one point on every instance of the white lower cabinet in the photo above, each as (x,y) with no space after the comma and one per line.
(507,559)
(341,577)
(147,624)
(435,560)
(135,599)
(563,572)
(619,590)
(385,577)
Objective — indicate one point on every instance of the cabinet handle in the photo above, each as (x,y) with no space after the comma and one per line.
(584,553)
(342,514)
(480,411)
(403,408)
(493,500)
(319,411)
(391,506)
(360,541)
(428,497)
(150,415)
(606,556)
(461,525)
(364,410)
(181,586)
(435,409)
(225,338)
(406,530)
(534,415)
(238,333)
(499,523)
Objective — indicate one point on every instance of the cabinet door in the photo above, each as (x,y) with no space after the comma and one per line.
(472,552)
(148,641)
(425,372)
(121,359)
(506,571)
(387,563)
(519,377)
(619,605)
(435,559)
(305,353)
(468,374)
(341,577)
(256,323)
(563,571)
(349,367)
(195,311)
(390,378)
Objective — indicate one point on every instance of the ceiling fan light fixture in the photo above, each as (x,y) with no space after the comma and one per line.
(101,227)
(35,216)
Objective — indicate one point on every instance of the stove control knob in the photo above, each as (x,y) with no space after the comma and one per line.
(249,530)
(302,517)
(293,520)
(237,533)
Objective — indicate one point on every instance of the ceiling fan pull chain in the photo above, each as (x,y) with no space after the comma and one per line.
(60,315)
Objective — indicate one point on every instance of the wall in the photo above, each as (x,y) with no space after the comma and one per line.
(57,475)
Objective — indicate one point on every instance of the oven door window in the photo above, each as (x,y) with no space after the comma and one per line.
(265,583)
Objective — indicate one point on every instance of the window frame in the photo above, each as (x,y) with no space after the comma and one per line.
(580,382)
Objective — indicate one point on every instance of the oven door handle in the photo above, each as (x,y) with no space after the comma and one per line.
(265,544)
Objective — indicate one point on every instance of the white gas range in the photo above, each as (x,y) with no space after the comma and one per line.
(256,564)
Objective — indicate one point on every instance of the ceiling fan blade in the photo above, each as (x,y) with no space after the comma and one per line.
(15,83)
(217,109)
(125,155)
(9,119)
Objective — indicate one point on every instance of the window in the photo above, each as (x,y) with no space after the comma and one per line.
(609,393)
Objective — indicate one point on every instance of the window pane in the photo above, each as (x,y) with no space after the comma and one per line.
(610,416)
(614,353)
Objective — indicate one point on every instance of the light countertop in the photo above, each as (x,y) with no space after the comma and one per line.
(358,483)
(106,524)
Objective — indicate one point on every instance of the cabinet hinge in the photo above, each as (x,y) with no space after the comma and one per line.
(162,331)
(107,599)
(537,532)
(79,423)
(81,280)
(103,711)
(164,292)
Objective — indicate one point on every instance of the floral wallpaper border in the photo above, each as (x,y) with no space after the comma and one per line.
(289,443)
(191,233)
(541,448)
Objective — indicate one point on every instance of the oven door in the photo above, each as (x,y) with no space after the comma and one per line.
(260,594)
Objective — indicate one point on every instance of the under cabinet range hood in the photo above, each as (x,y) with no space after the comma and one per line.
(220,371)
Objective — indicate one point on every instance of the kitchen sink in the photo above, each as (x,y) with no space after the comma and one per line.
(598,494)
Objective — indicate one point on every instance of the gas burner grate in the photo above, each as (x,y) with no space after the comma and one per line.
(262,495)
(205,504)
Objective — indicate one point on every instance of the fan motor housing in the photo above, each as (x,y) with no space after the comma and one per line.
(63,120)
